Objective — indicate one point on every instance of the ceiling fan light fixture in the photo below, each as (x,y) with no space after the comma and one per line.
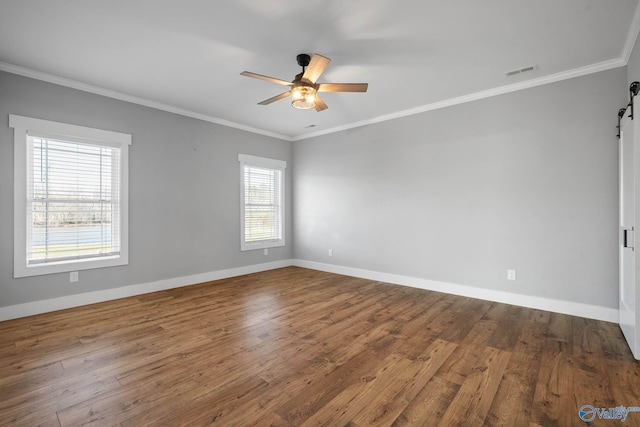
(303,97)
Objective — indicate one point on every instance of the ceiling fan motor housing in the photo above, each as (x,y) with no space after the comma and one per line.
(303,59)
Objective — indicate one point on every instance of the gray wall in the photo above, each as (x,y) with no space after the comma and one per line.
(184,190)
(633,66)
(526,181)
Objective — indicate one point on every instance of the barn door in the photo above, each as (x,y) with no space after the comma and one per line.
(628,292)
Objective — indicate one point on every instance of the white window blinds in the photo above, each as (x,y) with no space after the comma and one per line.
(73,200)
(262,202)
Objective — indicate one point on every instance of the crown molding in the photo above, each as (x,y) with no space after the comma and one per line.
(501,90)
(74,84)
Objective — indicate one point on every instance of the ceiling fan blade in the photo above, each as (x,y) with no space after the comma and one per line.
(320,105)
(275,98)
(343,87)
(316,66)
(267,78)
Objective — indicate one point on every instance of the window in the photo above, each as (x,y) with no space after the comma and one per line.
(70,197)
(262,202)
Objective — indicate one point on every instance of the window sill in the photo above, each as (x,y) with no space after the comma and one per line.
(261,245)
(68,266)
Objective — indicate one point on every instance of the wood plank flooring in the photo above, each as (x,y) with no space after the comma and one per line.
(301,347)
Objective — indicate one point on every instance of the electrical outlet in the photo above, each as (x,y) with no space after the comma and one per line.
(330,252)
(266,251)
(73,276)
(511,275)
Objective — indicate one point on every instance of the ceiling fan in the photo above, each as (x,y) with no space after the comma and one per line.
(304,89)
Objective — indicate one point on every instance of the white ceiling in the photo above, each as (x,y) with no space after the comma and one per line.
(186,55)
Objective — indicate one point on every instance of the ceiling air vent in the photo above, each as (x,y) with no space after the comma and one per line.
(521,70)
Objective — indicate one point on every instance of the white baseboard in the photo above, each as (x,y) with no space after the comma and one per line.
(558,306)
(55,304)
(547,304)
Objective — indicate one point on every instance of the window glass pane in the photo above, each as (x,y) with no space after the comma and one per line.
(74,204)
(262,214)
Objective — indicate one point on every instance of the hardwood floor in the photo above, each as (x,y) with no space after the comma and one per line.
(301,347)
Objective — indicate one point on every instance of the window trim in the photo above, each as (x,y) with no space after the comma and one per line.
(262,162)
(22,128)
